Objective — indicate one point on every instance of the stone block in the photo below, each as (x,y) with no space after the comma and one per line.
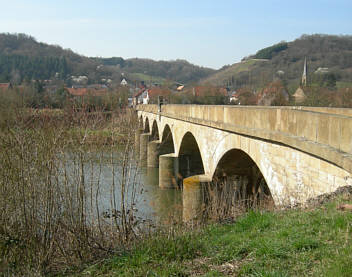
(168,171)
(292,123)
(153,154)
(334,132)
(323,129)
(346,135)
(306,126)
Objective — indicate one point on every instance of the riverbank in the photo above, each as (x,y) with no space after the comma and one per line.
(68,188)
(315,241)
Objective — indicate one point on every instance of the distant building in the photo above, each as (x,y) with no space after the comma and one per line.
(199,91)
(5,86)
(123,82)
(322,70)
(234,96)
(80,79)
(145,96)
(86,91)
(299,95)
(157,91)
(243,96)
(141,97)
(273,93)
(180,88)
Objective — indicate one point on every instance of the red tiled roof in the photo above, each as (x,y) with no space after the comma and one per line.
(156,91)
(85,91)
(77,91)
(137,94)
(270,91)
(5,85)
(208,91)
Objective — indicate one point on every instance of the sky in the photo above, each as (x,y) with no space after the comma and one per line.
(204,32)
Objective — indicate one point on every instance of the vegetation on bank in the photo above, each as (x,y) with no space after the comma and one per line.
(33,95)
(55,212)
(315,241)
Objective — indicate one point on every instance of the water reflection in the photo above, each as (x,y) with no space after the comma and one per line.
(102,177)
(164,205)
(104,180)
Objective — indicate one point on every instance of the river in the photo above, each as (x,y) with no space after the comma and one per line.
(104,180)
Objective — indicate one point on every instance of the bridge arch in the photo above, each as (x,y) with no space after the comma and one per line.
(167,141)
(140,121)
(239,171)
(189,156)
(146,125)
(155,131)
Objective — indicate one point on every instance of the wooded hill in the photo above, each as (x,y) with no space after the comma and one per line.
(332,54)
(23,58)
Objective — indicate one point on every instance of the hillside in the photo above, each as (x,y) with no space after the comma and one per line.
(285,61)
(147,69)
(23,58)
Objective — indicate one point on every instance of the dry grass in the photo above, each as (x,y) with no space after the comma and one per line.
(51,213)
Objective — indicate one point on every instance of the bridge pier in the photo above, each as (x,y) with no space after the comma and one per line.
(153,153)
(143,148)
(137,135)
(168,171)
(192,197)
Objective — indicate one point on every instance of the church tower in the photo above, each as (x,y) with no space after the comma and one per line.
(304,75)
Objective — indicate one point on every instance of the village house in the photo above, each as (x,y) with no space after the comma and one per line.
(123,82)
(141,97)
(180,88)
(79,79)
(5,86)
(78,91)
(147,96)
(243,96)
(199,91)
(234,97)
(299,95)
(273,94)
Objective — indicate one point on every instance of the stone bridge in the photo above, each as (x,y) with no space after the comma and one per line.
(291,153)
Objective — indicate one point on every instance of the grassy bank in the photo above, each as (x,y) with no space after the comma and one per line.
(310,242)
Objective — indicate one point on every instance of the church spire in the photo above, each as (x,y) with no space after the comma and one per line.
(304,75)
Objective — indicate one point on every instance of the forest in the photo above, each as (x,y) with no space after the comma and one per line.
(22,57)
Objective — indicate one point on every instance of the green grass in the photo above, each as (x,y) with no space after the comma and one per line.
(219,77)
(148,78)
(344,84)
(314,242)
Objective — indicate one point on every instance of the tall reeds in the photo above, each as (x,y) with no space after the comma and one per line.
(227,198)
(55,170)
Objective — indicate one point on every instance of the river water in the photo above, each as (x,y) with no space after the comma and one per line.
(105,178)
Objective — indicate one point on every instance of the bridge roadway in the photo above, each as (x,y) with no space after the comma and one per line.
(296,152)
